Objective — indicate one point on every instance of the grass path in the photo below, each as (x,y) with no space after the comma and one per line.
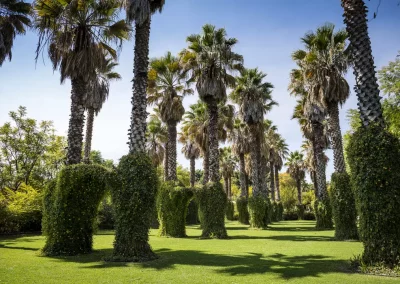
(290,251)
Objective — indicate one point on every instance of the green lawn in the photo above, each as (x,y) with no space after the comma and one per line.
(288,251)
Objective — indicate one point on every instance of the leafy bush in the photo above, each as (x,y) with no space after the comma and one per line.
(241,204)
(323,214)
(258,212)
(309,216)
(290,216)
(71,206)
(280,211)
(172,205)
(275,213)
(106,215)
(192,216)
(230,210)
(134,201)
(300,211)
(212,202)
(343,207)
(374,156)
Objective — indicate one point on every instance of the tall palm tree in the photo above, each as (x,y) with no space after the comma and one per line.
(282,151)
(157,116)
(271,139)
(296,169)
(228,165)
(140,12)
(14,19)
(168,83)
(239,136)
(156,137)
(96,97)
(78,36)
(192,152)
(254,98)
(211,58)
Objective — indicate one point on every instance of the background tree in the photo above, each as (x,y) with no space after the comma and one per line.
(156,137)
(192,152)
(228,165)
(296,169)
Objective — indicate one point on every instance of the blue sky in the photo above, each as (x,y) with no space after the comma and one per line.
(268,32)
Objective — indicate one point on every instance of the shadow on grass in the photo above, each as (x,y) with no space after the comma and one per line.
(5,246)
(294,238)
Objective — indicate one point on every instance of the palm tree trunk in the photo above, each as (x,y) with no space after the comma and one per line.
(213,141)
(313,176)
(137,138)
(272,181)
(298,185)
(89,135)
(76,121)
(192,171)
(336,137)
(355,18)
(255,157)
(318,130)
(226,186)
(229,188)
(277,184)
(247,185)
(242,169)
(314,172)
(166,162)
(172,151)
(206,166)
(263,176)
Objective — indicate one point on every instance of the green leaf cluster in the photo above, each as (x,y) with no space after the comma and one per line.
(343,207)
(258,212)
(172,206)
(230,211)
(374,156)
(241,204)
(323,214)
(280,211)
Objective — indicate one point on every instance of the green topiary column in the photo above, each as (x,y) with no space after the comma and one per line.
(280,211)
(374,159)
(172,206)
(241,204)
(230,210)
(323,214)
(258,212)
(134,203)
(70,209)
(343,207)
(212,202)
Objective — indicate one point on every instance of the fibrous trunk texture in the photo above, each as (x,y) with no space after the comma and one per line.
(76,121)
(298,185)
(137,138)
(226,186)
(213,141)
(255,155)
(206,166)
(336,137)
(242,169)
(89,135)
(272,181)
(263,176)
(318,131)
(229,188)
(277,184)
(192,171)
(355,18)
(166,162)
(172,151)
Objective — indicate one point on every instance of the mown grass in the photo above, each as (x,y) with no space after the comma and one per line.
(288,251)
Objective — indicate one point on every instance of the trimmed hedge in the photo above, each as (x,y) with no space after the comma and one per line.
(230,211)
(172,206)
(192,215)
(241,204)
(212,202)
(374,160)
(70,209)
(323,214)
(134,202)
(280,211)
(343,207)
(258,212)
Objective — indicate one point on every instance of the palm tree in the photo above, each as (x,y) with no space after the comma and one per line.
(96,97)
(281,153)
(156,115)
(254,98)
(239,136)
(210,57)
(192,152)
(78,35)
(296,169)
(140,12)
(156,137)
(271,138)
(14,19)
(228,165)
(167,78)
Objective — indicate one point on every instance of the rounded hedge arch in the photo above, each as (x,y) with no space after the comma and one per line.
(70,208)
(258,212)
(343,207)
(242,204)
(374,156)
(172,207)
(212,202)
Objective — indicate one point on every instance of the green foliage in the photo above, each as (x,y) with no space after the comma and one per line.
(172,206)
(241,204)
(258,212)
(192,216)
(71,205)
(106,214)
(275,212)
(374,156)
(212,203)
(230,210)
(288,191)
(134,203)
(20,210)
(343,207)
(323,214)
(300,211)
(280,211)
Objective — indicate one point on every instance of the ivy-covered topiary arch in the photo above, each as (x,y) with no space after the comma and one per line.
(70,207)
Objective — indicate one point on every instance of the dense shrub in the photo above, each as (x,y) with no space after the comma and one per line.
(290,216)
(241,204)
(134,202)
(309,216)
(258,212)
(172,204)
(192,215)
(280,211)
(212,202)
(230,211)
(71,206)
(343,207)
(374,159)
(268,212)
(106,215)
(300,211)
(275,209)
(323,214)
